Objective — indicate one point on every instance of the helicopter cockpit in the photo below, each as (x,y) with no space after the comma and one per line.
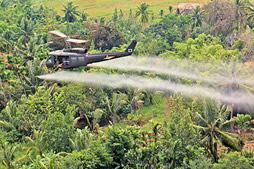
(50,62)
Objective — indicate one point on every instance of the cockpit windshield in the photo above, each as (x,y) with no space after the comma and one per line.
(50,62)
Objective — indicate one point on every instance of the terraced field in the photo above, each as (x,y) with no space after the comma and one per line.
(106,7)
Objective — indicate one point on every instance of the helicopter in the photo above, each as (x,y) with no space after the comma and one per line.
(78,57)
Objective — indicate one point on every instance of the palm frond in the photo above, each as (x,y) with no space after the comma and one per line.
(6,124)
(247,88)
(202,119)
(205,129)
(230,140)
(225,114)
(227,122)
(72,144)
(206,139)
(43,165)
(29,139)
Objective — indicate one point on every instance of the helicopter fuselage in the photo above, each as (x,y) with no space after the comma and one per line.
(77,57)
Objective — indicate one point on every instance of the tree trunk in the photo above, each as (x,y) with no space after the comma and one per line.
(231,117)
(215,153)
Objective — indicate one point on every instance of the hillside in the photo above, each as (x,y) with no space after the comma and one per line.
(106,8)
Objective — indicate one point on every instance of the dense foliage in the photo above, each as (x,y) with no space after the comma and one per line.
(59,125)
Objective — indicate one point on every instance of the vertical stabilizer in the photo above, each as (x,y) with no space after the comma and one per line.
(131,47)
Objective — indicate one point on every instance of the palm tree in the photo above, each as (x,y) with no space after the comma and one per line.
(211,123)
(31,48)
(81,140)
(4,3)
(161,12)
(170,8)
(121,14)
(5,93)
(240,12)
(138,99)
(83,16)
(10,111)
(7,155)
(70,11)
(36,145)
(232,71)
(49,162)
(30,81)
(114,105)
(7,41)
(250,15)
(197,17)
(143,12)
(131,16)
(26,28)
(115,16)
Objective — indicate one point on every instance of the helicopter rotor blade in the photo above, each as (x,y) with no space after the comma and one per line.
(59,34)
(68,41)
(78,41)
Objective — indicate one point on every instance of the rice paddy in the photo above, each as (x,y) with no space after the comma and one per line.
(96,8)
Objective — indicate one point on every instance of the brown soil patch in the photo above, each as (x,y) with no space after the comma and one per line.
(4,55)
(249,144)
(250,65)
(249,139)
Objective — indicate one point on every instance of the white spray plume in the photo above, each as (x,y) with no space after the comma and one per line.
(180,69)
(140,82)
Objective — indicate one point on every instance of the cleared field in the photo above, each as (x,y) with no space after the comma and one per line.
(106,7)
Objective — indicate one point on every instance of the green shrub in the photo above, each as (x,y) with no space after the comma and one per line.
(200,163)
(96,156)
(233,160)
(243,120)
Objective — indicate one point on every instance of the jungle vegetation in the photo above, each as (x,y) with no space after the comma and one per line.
(49,125)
